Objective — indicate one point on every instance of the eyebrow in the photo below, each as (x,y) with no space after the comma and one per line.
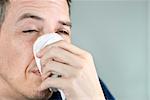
(29,15)
(65,23)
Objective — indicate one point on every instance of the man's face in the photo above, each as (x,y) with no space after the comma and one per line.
(24,22)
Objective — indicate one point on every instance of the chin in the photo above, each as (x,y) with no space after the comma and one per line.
(44,95)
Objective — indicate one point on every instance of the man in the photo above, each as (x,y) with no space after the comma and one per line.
(22,22)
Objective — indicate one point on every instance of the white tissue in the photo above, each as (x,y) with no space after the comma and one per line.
(40,43)
(43,41)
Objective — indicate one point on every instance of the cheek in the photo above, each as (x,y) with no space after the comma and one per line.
(17,54)
(16,49)
(22,51)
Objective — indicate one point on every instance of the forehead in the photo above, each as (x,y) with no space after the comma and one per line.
(36,1)
(40,7)
(39,3)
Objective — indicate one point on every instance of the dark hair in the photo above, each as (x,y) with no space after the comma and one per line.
(4,4)
(69,5)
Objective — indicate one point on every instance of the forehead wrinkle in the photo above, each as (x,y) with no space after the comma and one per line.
(40,3)
(34,6)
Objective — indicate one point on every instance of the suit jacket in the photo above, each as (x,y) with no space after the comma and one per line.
(107,94)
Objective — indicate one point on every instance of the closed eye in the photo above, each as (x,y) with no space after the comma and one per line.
(63,32)
(29,31)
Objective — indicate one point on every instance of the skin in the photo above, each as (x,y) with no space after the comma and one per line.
(20,79)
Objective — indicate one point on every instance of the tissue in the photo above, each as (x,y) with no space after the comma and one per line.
(40,43)
(43,41)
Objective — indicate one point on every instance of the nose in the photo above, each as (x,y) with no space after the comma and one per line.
(50,26)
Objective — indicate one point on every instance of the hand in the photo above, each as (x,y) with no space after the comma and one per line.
(78,79)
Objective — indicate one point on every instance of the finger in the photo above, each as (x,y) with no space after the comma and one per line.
(66,46)
(63,70)
(62,56)
(59,83)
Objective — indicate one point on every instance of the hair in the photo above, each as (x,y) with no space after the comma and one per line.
(5,3)
(69,5)
(3,6)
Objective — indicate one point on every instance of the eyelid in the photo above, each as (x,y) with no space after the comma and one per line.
(29,30)
(64,31)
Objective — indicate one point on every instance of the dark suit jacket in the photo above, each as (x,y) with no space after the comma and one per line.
(107,94)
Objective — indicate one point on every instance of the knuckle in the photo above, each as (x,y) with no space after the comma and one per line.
(82,64)
(87,54)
